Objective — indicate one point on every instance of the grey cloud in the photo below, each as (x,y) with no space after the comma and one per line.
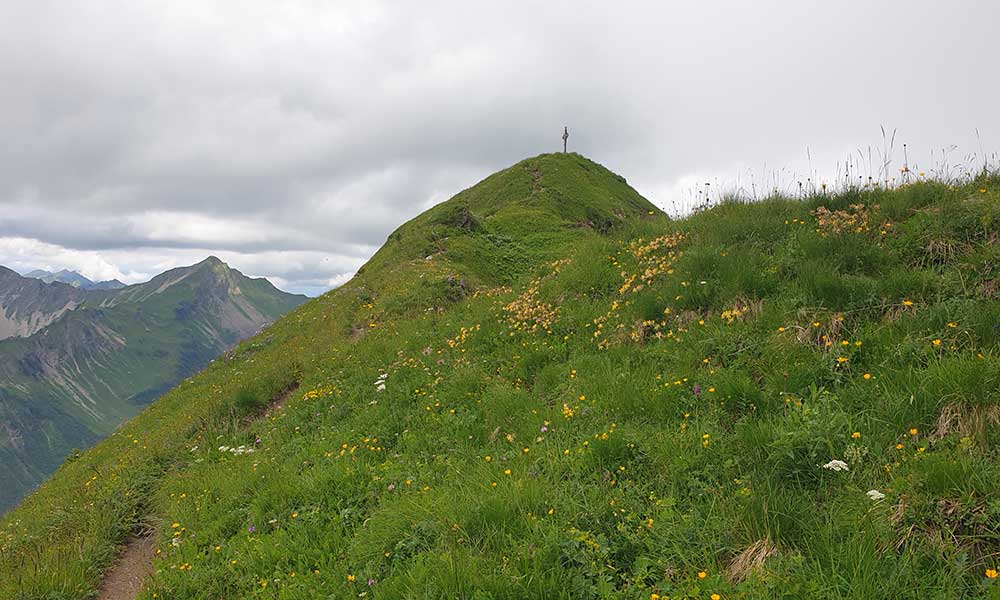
(317,127)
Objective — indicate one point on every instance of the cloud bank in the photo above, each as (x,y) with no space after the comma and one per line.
(290,139)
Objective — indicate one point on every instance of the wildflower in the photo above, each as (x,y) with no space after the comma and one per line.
(899,446)
(654,596)
(488,458)
(867,375)
(702,574)
(781,330)
(836,465)
(841,359)
(913,431)
(907,302)
(952,325)
(875,495)
(506,471)
(715,597)
(856,435)
(991,573)
(936,342)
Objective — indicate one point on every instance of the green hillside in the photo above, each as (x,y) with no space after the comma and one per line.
(76,379)
(545,388)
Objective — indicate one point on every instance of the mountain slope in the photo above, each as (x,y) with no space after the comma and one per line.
(28,304)
(107,354)
(538,389)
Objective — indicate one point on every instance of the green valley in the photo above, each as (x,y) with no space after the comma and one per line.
(77,363)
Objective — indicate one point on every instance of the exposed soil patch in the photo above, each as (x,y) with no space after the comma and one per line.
(124,580)
(279,401)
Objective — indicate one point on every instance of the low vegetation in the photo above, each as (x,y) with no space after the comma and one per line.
(545,388)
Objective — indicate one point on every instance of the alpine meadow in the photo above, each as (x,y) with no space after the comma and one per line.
(547,388)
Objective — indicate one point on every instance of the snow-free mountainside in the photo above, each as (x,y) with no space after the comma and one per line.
(545,388)
(76,360)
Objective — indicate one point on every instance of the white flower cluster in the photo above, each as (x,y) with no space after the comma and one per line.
(238,450)
(836,465)
(876,495)
(380,383)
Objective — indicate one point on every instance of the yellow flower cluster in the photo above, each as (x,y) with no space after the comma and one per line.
(528,313)
(732,314)
(463,335)
(853,220)
(319,392)
(653,258)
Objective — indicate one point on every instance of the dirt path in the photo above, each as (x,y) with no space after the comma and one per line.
(124,580)
(278,403)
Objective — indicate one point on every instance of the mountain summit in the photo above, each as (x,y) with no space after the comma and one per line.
(75,361)
(74,279)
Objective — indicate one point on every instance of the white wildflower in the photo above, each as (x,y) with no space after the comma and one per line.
(836,465)
(876,495)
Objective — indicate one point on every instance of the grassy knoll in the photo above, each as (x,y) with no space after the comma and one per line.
(545,388)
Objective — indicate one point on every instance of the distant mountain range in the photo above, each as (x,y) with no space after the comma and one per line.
(75,279)
(78,358)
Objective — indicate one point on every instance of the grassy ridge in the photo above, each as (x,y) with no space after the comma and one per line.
(582,399)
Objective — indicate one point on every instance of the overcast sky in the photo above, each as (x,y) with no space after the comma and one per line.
(290,138)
